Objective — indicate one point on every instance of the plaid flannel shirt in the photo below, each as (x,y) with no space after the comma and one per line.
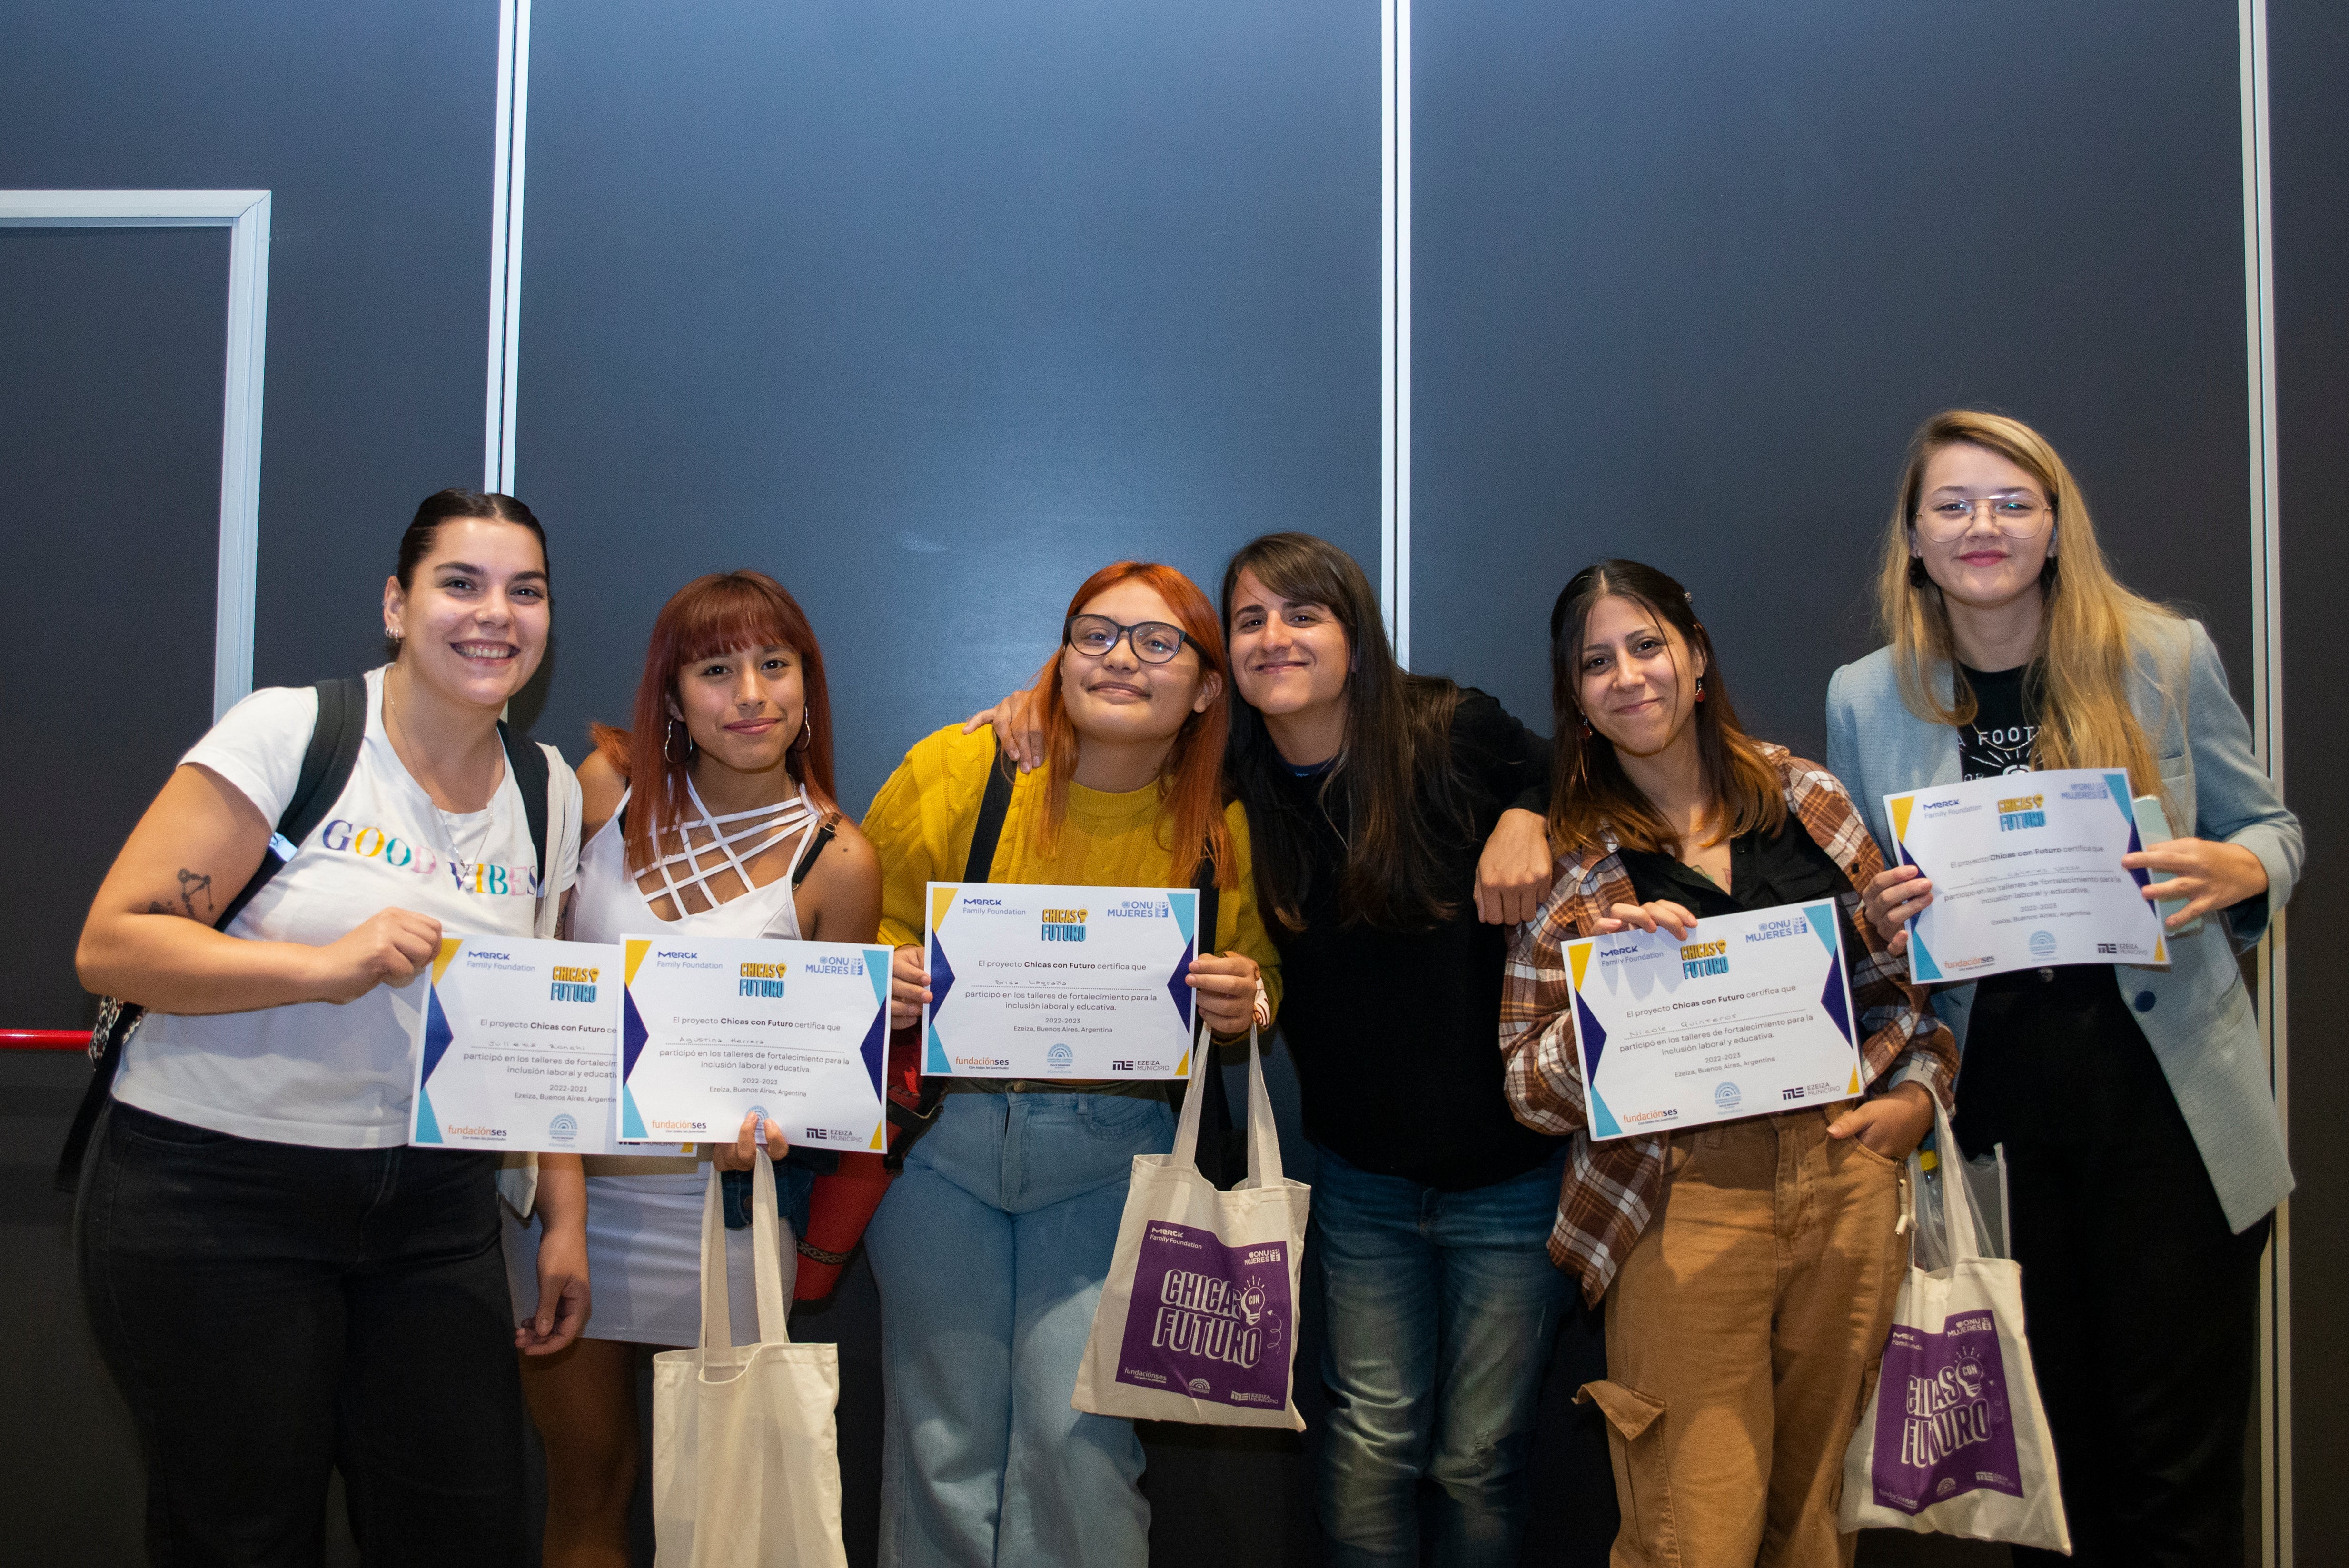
(1610,1189)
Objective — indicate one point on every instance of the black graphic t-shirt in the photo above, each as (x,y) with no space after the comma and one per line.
(2041,1043)
(2005,723)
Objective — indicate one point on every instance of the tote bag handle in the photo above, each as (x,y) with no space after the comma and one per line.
(767,1258)
(1263,1137)
(1963,1238)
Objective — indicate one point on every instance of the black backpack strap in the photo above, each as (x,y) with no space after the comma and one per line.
(327,762)
(993,806)
(530,775)
(824,835)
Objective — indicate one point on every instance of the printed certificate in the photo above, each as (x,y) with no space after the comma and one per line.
(1035,982)
(713,1030)
(1751,1014)
(2027,874)
(514,1047)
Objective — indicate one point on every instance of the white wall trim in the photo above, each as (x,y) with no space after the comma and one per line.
(505,243)
(245,215)
(1395,378)
(2267,738)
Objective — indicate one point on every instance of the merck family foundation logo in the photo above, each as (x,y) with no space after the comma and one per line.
(1064,925)
(573,984)
(1700,958)
(2023,811)
(763,979)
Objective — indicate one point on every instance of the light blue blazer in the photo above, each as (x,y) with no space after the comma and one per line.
(2196,1013)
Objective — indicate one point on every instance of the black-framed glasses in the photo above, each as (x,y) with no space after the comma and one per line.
(1154,641)
(2018,516)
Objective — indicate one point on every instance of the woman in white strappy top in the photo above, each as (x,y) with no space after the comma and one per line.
(716,813)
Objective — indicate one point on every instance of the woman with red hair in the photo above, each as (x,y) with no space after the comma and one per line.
(991,1247)
(714,813)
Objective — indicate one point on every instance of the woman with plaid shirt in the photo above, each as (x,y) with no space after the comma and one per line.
(1750,1266)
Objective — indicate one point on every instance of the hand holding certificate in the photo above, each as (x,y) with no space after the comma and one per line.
(2026,872)
(1035,982)
(1746,1015)
(716,1029)
(514,1047)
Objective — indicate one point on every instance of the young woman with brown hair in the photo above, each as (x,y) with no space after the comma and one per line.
(1749,1267)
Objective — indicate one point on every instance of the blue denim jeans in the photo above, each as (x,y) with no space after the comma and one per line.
(989,1251)
(1441,1309)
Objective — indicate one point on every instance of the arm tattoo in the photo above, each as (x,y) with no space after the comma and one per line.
(190,884)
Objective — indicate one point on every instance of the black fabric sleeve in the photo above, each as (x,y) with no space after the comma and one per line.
(1507,762)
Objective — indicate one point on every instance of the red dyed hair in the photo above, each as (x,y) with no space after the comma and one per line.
(1191,780)
(710,616)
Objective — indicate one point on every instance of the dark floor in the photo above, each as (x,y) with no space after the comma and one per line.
(68,1468)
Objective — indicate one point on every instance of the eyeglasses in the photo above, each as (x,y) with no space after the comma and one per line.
(1153,641)
(2016,516)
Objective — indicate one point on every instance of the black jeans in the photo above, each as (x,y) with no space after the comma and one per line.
(2141,1305)
(271,1312)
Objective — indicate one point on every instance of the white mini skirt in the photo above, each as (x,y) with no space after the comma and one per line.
(643,1261)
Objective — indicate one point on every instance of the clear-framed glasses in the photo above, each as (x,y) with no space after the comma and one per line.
(1154,641)
(2017,516)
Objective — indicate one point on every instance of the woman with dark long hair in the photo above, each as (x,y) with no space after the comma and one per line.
(2142,1145)
(279,1286)
(991,1246)
(713,815)
(1749,1267)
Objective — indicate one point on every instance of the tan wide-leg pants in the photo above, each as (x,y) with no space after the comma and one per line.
(1743,1334)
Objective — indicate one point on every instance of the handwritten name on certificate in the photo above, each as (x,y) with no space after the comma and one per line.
(714,1030)
(1749,1013)
(2027,874)
(1035,982)
(514,1049)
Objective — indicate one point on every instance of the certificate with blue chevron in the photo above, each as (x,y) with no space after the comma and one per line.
(1746,1014)
(1029,980)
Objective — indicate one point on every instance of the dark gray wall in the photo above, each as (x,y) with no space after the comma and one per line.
(930,311)
(372,124)
(2308,44)
(1687,275)
(112,345)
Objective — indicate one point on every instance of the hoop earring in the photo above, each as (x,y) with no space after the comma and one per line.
(807,731)
(669,736)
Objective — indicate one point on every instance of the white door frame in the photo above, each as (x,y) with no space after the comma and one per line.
(245,216)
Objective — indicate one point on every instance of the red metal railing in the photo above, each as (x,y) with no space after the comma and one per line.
(43,1039)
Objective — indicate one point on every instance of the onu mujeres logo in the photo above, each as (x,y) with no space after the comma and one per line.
(1698,959)
(573,984)
(762,979)
(1199,1315)
(1064,925)
(2023,811)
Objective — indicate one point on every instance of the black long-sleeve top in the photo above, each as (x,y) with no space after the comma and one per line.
(1393,1031)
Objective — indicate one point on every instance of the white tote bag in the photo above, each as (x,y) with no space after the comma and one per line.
(1198,1320)
(746,1465)
(1955,1441)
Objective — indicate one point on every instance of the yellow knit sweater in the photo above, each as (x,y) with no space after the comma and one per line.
(923,820)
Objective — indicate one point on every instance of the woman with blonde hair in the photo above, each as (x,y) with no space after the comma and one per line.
(2141,1137)
(991,1247)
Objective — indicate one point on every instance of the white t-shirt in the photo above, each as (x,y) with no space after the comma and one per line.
(320,1072)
